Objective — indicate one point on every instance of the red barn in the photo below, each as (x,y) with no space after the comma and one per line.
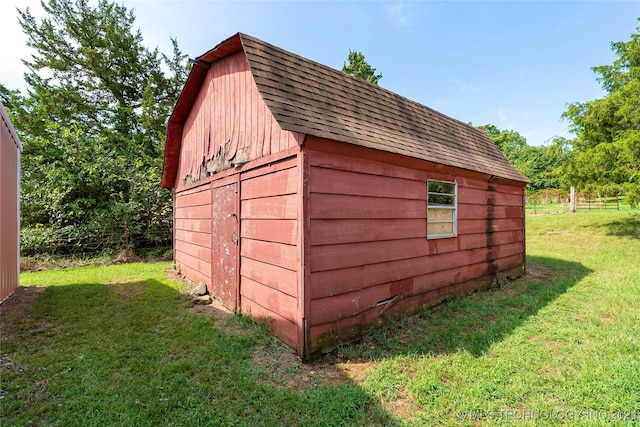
(10,148)
(326,204)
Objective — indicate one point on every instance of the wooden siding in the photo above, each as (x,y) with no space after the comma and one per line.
(192,233)
(10,148)
(369,251)
(269,249)
(229,121)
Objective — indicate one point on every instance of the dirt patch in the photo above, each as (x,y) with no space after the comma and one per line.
(281,367)
(539,273)
(554,345)
(277,362)
(606,320)
(215,310)
(218,312)
(185,284)
(403,406)
(22,298)
(130,290)
(13,308)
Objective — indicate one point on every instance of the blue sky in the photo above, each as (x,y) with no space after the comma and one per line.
(514,64)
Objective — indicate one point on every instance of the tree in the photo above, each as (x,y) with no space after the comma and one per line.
(92,126)
(358,67)
(538,163)
(509,142)
(607,146)
(7,96)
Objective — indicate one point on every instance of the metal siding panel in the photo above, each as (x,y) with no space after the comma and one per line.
(10,148)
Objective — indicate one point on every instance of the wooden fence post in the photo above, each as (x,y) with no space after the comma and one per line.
(572,200)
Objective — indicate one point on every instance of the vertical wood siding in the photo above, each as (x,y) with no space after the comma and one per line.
(229,118)
(269,250)
(9,207)
(369,246)
(192,233)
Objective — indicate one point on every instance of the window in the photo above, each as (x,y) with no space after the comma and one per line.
(441,209)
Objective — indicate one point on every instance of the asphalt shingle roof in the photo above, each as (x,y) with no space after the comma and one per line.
(310,98)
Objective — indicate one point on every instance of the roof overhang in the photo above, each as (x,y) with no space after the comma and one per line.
(7,120)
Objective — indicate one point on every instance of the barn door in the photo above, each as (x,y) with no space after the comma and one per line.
(224,246)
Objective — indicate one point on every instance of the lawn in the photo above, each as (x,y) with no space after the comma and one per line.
(122,345)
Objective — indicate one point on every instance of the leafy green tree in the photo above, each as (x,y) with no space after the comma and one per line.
(538,163)
(7,96)
(607,146)
(358,67)
(93,125)
(509,142)
(542,164)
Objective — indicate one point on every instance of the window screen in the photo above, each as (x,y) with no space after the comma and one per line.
(441,209)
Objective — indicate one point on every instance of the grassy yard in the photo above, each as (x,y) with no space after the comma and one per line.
(121,345)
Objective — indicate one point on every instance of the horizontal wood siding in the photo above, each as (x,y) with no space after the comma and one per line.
(192,233)
(269,250)
(9,207)
(369,250)
(229,118)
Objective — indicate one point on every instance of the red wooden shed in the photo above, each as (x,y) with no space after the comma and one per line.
(326,204)
(10,148)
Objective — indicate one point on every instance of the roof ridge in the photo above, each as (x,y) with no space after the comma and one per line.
(356,80)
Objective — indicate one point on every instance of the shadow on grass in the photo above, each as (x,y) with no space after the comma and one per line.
(474,322)
(627,227)
(135,354)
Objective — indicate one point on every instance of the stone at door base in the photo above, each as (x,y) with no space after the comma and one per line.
(199,289)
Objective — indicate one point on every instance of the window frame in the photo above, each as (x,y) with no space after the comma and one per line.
(453,207)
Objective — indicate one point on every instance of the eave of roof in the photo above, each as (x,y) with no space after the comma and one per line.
(7,120)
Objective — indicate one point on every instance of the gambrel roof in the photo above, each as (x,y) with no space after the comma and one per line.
(313,99)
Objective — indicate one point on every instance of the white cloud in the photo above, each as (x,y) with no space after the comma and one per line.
(464,87)
(399,14)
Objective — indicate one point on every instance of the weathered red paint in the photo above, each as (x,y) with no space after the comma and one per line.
(368,222)
(331,237)
(192,233)
(365,248)
(222,127)
(225,238)
(328,335)
(281,327)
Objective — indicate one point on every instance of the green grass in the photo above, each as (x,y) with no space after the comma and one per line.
(563,341)
(118,345)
